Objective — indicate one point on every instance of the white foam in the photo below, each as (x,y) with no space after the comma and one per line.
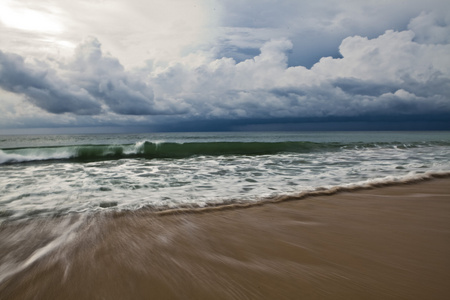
(200,181)
(35,155)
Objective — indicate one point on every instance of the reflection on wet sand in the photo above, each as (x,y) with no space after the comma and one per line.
(385,243)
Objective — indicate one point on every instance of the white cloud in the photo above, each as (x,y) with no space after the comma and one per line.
(416,76)
(87,85)
(315,28)
(431,28)
(133,31)
(16,16)
(403,71)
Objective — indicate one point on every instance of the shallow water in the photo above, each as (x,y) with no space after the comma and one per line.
(134,216)
(57,175)
(386,243)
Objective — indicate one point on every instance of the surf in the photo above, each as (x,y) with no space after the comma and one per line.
(174,150)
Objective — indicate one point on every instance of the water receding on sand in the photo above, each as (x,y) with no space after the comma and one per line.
(139,216)
(383,243)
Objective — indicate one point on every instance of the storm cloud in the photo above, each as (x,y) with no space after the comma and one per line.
(390,74)
(43,88)
(316,28)
(295,61)
(89,84)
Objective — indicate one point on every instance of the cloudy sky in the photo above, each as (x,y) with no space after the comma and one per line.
(174,65)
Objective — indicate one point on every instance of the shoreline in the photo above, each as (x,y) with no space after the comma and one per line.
(318,192)
(380,243)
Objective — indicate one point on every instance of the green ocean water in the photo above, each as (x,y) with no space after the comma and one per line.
(42,175)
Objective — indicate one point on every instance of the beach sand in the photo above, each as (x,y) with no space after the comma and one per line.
(384,243)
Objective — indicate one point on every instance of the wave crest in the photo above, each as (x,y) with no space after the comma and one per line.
(150,150)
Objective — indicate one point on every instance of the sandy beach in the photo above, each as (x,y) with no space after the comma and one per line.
(384,243)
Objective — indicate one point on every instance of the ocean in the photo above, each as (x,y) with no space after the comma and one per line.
(114,215)
(48,175)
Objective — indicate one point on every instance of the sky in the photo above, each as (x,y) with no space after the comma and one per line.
(210,65)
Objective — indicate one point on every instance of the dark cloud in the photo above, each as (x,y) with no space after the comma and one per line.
(395,75)
(43,88)
(105,78)
(82,86)
(354,86)
(317,28)
(390,74)
(363,122)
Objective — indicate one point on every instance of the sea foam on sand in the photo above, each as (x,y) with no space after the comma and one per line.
(383,243)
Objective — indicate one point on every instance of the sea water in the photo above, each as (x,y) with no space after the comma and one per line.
(48,175)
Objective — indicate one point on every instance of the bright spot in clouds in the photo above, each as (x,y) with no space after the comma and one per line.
(161,64)
(15,16)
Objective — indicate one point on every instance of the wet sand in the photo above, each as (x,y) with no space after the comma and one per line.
(384,243)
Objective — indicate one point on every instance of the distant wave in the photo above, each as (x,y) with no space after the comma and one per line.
(149,150)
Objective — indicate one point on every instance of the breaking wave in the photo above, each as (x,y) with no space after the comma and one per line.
(151,150)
